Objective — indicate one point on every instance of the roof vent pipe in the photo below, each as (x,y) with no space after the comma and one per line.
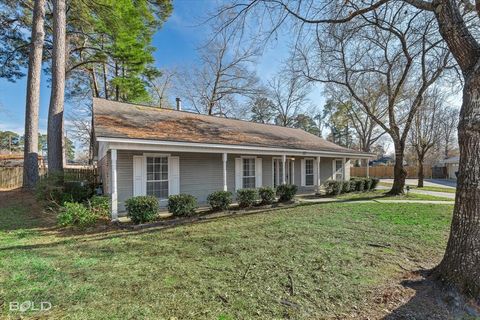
(179,104)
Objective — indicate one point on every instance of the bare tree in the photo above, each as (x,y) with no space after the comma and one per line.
(448,122)
(30,164)
(382,51)
(458,25)
(159,88)
(55,112)
(289,95)
(262,110)
(425,133)
(366,129)
(223,74)
(80,127)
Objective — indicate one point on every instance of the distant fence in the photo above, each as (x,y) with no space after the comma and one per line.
(12,177)
(387,172)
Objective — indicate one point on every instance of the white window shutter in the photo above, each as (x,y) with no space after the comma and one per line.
(258,172)
(173,175)
(238,173)
(139,184)
(315,172)
(302,171)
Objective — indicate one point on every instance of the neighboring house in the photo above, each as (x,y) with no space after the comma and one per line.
(451,167)
(160,152)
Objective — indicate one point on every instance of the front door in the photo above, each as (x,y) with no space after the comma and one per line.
(278,172)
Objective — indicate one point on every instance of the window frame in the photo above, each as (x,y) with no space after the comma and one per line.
(309,174)
(335,171)
(156,156)
(254,160)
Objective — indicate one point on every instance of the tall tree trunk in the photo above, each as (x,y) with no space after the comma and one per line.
(461,264)
(399,172)
(55,111)
(117,89)
(421,174)
(105,82)
(30,154)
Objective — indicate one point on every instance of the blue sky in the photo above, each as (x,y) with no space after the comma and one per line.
(176,45)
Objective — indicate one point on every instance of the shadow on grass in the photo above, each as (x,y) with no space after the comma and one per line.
(19,210)
(432,300)
(117,230)
(357,196)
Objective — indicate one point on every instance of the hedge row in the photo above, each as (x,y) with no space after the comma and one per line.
(144,208)
(334,187)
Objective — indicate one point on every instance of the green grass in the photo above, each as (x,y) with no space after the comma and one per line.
(425,188)
(380,195)
(231,268)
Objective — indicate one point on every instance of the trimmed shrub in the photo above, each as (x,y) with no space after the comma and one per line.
(333,187)
(368,184)
(286,192)
(182,204)
(359,184)
(142,209)
(353,186)
(345,186)
(220,200)
(100,206)
(247,197)
(267,195)
(76,214)
(375,182)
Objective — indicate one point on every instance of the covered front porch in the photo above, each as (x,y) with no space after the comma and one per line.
(133,168)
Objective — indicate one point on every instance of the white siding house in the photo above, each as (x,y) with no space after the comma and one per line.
(161,152)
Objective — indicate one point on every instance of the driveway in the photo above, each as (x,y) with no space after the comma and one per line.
(428,182)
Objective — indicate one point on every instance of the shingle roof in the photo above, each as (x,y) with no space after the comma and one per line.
(122,120)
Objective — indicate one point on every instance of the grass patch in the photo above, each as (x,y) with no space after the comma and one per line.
(380,195)
(425,188)
(233,268)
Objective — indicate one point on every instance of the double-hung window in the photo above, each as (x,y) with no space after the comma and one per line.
(309,177)
(338,170)
(248,175)
(157,177)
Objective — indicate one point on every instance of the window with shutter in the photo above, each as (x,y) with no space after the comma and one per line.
(157,177)
(248,173)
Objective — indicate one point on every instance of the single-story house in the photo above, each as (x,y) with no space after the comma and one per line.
(451,165)
(151,151)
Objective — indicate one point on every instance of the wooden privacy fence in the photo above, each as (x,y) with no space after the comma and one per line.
(387,172)
(12,177)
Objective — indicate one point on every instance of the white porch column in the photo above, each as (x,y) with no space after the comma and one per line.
(368,168)
(318,172)
(114,203)
(284,162)
(344,161)
(224,160)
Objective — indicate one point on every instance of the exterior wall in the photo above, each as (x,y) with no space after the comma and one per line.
(202,173)
(104,172)
(451,169)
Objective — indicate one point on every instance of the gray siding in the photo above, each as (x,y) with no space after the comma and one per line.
(201,173)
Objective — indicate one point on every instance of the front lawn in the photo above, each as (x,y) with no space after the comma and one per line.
(311,261)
